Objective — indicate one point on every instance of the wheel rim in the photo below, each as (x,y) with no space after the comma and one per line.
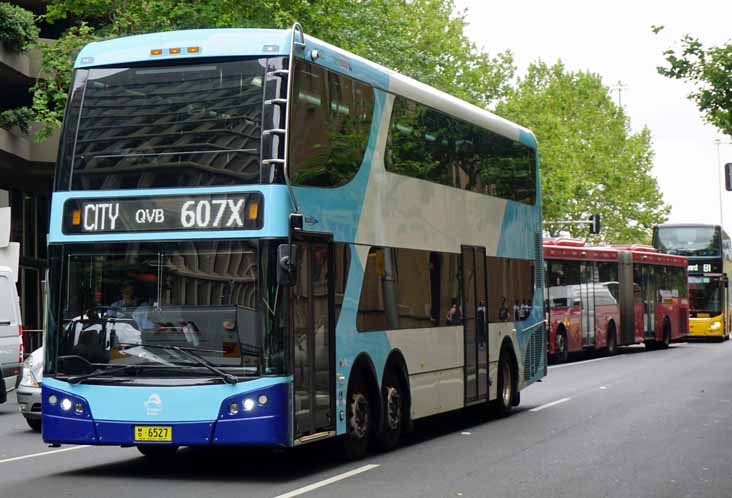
(359,421)
(506,393)
(394,407)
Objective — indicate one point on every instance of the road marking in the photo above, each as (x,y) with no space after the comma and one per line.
(33,455)
(580,362)
(325,482)
(553,403)
(603,387)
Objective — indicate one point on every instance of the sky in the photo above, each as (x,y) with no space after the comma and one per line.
(614,40)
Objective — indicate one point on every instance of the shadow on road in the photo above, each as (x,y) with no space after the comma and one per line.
(266,466)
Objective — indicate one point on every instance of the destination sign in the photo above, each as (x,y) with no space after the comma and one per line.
(239,211)
(713,266)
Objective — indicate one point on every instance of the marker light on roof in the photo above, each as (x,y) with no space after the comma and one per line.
(156,51)
(193,50)
(174,50)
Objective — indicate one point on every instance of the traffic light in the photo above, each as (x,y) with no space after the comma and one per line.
(595,224)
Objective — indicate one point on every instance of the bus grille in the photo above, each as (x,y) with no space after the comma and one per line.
(534,356)
(538,266)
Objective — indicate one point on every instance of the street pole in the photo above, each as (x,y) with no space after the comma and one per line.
(719,142)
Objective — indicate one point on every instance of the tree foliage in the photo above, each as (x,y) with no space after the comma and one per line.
(18,30)
(424,39)
(710,70)
(591,162)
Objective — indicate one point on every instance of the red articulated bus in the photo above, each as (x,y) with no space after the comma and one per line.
(608,296)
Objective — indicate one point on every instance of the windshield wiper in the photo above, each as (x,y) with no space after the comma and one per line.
(189,352)
(99,373)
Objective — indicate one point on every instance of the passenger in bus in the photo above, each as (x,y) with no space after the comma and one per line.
(503,311)
(454,314)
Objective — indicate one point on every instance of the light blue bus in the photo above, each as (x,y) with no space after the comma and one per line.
(260,239)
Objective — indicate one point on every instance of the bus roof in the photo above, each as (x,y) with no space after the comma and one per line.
(576,249)
(686,225)
(237,42)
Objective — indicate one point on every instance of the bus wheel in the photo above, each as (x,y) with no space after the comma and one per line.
(393,397)
(156,452)
(358,421)
(666,335)
(612,344)
(561,348)
(506,385)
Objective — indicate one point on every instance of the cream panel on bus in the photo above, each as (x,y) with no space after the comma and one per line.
(399,211)
(436,392)
(427,350)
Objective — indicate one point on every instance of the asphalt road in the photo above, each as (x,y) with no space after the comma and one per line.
(640,424)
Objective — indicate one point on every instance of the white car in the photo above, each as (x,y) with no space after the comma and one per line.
(29,389)
(11,340)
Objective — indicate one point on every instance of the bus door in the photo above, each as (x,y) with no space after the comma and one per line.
(648,294)
(587,300)
(312,332)
(475,323)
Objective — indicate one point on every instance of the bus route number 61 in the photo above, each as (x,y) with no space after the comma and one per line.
(212,213)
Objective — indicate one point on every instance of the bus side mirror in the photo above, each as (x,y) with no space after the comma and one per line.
(286,261)
(728,176)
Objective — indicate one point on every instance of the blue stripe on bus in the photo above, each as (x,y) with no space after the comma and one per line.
(212,43)
(277,206)
(349,342)
(178,403)
(338,210)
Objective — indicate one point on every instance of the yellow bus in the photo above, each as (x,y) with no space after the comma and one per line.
(709,251)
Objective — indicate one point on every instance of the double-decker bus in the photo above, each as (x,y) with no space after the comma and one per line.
(709,251)
(258,238)
(604,297)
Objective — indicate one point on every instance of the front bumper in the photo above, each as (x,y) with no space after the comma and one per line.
(267,424)
(29,401)
(701,327)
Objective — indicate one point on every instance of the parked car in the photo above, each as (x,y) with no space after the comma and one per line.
(29,389)
(11,333)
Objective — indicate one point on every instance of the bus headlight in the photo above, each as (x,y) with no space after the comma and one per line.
(715,325)
(66,404)
(248,405)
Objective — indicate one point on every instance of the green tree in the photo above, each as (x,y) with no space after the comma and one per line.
(710,71)
(424,39)
(590,160)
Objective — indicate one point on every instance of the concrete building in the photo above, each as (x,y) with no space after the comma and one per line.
(26,173)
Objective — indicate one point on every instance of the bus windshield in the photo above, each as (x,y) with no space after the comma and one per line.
(705,295)
(140,304)
(689,241)
(184,125)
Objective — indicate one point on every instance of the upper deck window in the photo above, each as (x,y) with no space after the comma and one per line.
(184,125)
(329,131)
(428,144)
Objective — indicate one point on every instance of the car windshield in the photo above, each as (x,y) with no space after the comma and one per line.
(689,241)
(146,305)
(705,295)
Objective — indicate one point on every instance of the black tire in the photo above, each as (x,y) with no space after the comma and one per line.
(612,342)
(560,341)
(506,386)
(650,345)
(394,414)
(666,335)
(157,452)
(34,423)
(359,419)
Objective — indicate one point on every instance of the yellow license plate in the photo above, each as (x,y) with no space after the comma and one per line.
(153,433)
